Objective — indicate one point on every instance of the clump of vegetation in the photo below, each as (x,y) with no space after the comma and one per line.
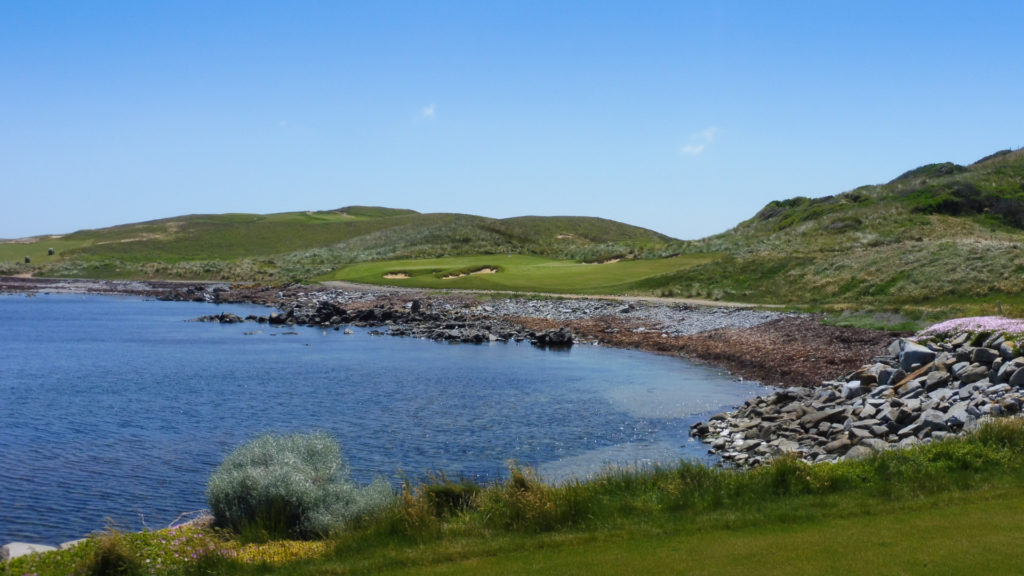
(112,557)
(629,511)
(525,503)
(449,498)
(290,486)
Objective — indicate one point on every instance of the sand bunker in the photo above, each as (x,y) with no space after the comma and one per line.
(396,276)
(484,270)
(608,261)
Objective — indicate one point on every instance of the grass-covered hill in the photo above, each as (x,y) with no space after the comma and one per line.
(939,235)
(304,245)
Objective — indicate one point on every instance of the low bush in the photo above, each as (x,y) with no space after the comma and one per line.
(450,498)
(293,486)
(112,557)
(525,503)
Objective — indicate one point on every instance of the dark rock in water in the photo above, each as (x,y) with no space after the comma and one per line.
(560,338)
(223,318)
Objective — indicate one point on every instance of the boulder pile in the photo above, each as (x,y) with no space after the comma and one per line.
(919,392)
(413,318)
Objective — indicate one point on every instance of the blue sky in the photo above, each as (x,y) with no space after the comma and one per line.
(683,117)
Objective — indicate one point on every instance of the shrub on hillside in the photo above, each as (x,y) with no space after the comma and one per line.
(297,486)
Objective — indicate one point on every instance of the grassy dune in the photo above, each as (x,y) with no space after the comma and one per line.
(940,236)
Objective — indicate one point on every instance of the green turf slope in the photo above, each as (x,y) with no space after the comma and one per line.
(302,245)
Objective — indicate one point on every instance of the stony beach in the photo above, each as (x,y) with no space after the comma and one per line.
(776,348)
(916,392)
(839,392)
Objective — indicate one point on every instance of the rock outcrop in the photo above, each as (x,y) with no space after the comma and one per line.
(18,549)
(920,392)
(413,318)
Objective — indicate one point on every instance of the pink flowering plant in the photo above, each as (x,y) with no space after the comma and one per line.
(989,324)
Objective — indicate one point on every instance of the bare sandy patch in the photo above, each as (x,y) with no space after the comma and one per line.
(172,229)
(608,261)
(484,270)
(138,238)
(396,276)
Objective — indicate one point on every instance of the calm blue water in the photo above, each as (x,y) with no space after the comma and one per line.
(119,408)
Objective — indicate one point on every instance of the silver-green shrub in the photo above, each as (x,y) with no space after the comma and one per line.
(290,486)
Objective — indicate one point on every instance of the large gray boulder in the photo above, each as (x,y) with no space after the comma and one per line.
(912,354)
(973,373)
(934,420)
(984,355)
(1009,350)
(18,549)
(1017,379)
(859,452)
(560,338)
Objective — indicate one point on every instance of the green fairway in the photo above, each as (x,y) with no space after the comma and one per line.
(517,273)
(964,533)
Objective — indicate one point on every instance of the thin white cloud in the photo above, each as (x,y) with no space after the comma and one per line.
(699,141)
(428,112)
(691,149)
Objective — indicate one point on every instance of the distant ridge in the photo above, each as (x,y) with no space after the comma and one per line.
(297,245)
(939,236)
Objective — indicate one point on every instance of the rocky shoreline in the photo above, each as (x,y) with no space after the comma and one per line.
(917,392)
(779,349)
(910,392)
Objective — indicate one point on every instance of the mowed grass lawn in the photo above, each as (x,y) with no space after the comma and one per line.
(516,273)
(974,531)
